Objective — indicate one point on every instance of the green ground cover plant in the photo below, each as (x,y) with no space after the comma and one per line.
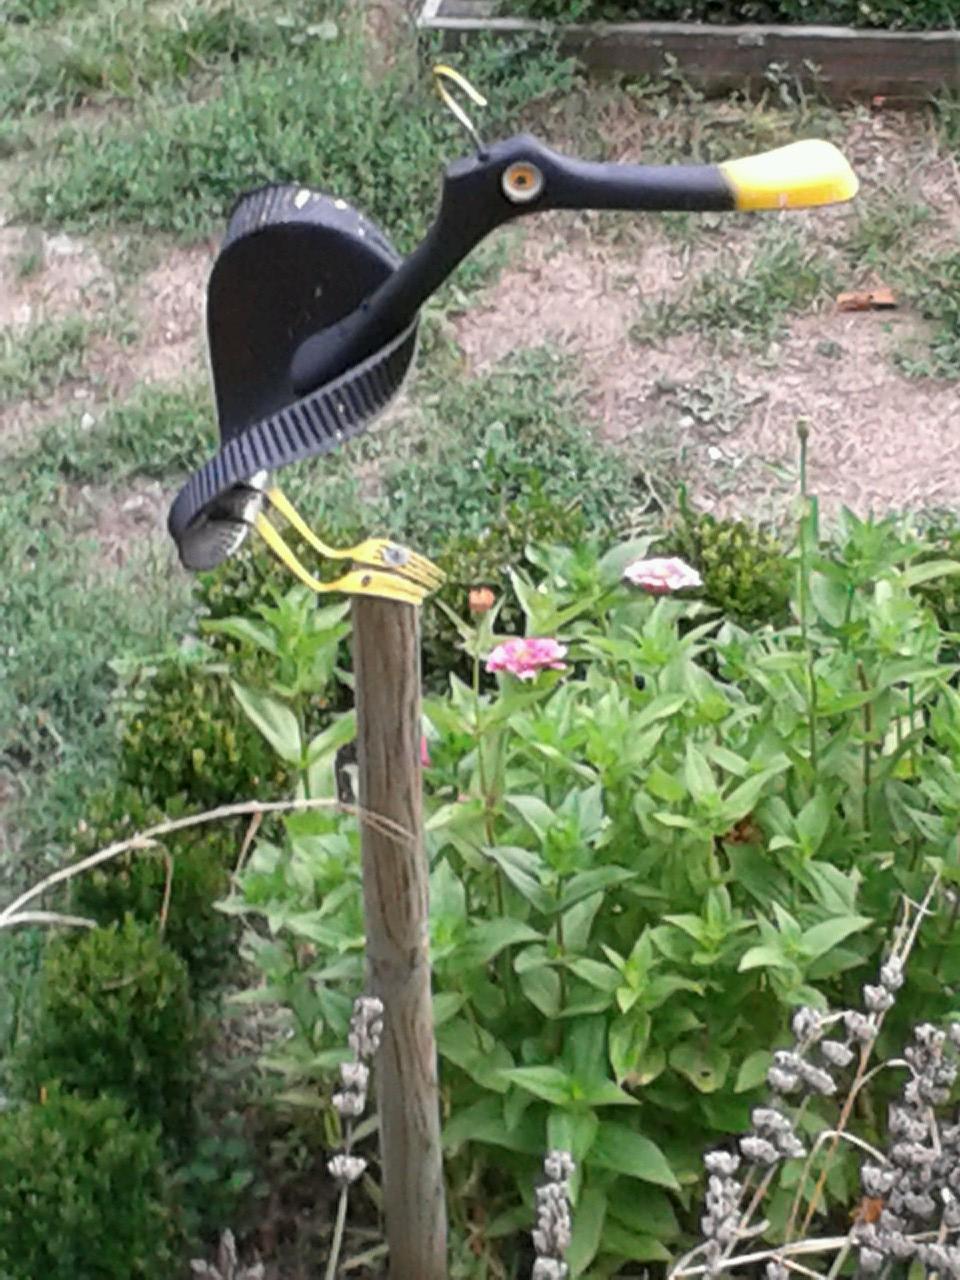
(277,120)
(33,361)
(920,15)
(746,302)
(119,50)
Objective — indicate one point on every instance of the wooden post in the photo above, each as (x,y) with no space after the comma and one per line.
(386,660)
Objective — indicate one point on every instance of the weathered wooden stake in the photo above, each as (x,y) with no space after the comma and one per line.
(386,660)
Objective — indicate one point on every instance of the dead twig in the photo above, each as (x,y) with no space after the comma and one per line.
(148,839)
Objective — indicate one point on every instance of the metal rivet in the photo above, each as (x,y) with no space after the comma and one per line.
(522,182)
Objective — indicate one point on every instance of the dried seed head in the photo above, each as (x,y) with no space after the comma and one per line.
(891,974)
(806,1022)
(817,1079)
(877,999)
(870,1261)
(769,1120)
(876,1180)
(858,1026)
(549,1269)
(836,1054)
(355,1076)
(349,1105)
(558,1165)
(781,1081)
(346,1169)
(722,1162)
(759,1150)
(366,1027)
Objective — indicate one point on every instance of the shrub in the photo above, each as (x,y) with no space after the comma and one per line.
(114,1015)
(134,884)
(185,735)
(745,570)
(83,1194)
(916,14)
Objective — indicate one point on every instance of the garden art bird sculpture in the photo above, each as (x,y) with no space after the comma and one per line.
(312,319)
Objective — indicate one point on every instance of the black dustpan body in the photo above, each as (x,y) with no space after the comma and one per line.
(293,262)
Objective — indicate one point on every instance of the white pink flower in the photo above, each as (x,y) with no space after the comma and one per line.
(662,575)
(525,658)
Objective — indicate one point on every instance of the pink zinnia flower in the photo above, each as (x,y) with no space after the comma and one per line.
(661,576)
(524,658)
(424,751)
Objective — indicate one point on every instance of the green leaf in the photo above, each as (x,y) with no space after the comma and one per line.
(521,866)
(619,1148)
(601,976)
(246,629)
(589,882)
(763,957)
(658,708)
(275,721)
(588,1221)
(753,1070)
(333,737)
(448,899)
(699,776)
(486,940)
(446,1005)
(918,573)
(626,1244)
(572,1131)
(649,1213)
(476,1052)
(604,1093)
(549,1083)
(626,1041)
(484,1122)
(538,816)
(822,937)
(542,989)
(705,1066)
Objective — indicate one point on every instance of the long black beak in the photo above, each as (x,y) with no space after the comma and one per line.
(521,176)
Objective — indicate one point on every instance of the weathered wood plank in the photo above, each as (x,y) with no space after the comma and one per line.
(386,661)
(841,61)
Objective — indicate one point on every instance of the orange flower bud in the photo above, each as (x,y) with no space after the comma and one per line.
(481,599)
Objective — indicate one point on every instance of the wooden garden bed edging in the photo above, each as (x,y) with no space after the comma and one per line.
(907,66)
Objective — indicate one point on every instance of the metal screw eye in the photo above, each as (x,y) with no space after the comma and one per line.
(522,183)
(395,555)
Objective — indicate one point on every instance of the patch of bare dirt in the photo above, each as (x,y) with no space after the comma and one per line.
(49,277)
(154,334)
(879,441)
(121,522)
(170,307)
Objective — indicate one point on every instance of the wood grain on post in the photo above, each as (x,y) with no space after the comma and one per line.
(386,659)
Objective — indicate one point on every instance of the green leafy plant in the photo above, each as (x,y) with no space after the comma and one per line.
(640,866)
(84,1193)
(114,1015)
